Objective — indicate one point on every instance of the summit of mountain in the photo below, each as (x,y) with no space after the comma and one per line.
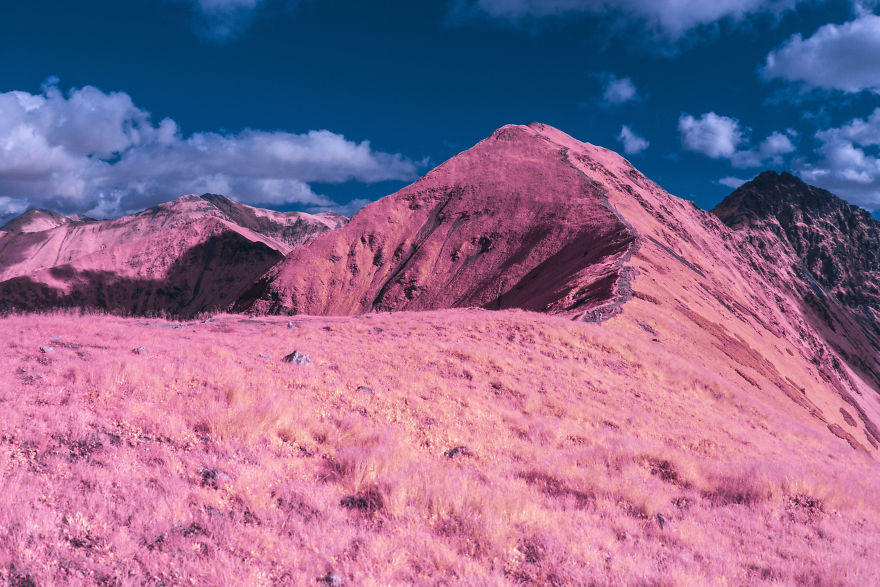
(37,220)
(838,243)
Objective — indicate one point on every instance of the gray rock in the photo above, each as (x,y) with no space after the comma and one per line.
(298,358)
(214,477)
(290,324)
(265,356)
(47,350)
(458,451)
(662,520)
(331,579)
(364,389)
(141,350)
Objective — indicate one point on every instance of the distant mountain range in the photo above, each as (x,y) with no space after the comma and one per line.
(190,255)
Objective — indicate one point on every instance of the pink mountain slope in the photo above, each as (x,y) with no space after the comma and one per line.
(181,258)
(532,218)
(39,220)
(508,223)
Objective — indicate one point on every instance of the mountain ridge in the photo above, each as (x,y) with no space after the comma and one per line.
(189,255)
(440,242)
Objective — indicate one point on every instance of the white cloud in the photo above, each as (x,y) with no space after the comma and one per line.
(617,90)
(732,182)
(98,153)
(849,161)
(841,57)
(770,150)
(720,137)
(632,143)
(671,18)
(712,135)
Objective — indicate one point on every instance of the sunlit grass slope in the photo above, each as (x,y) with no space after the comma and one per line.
(461,447)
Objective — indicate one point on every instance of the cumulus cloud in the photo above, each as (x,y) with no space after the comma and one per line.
(617,90)
(632,143)
(98,153)
(712,135)
(770,150)
(671,18)
(839,57)
(849,161)
(721,137)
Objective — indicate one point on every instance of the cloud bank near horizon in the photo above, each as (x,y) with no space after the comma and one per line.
(98,153)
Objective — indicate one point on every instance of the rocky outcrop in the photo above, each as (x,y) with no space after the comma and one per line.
(827,253)
(838,243)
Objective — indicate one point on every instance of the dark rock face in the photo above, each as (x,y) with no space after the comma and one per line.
(839,244)
(291,228)
(824,250)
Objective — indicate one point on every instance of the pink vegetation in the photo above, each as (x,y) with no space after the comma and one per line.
(465,446)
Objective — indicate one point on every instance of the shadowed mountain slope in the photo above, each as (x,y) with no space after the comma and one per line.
(823,250)
(183,257)
(838,243)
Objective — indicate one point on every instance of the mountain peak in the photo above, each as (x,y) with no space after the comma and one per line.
(36,220)
(834,240)
(519,220)
(781,195)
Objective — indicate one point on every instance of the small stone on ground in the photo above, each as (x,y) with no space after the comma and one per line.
(298,358)
(214,478)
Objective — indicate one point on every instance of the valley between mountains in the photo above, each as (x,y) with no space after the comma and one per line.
(532,365)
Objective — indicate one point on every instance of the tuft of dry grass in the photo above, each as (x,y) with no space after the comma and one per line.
(464,447)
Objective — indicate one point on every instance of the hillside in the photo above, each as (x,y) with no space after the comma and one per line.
(574,229)
(191,255)
(507,224)
(823,251)
(533,365)
(460,446)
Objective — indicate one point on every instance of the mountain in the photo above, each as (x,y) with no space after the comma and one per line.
(509,223)
(824,250)
(36,220)
(838,243)
(696,396)
(532,219)
(183,257)
(528,219)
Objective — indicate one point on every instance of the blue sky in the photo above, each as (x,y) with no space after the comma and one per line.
(108,107)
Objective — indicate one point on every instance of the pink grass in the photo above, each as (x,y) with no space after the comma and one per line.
(575,444)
